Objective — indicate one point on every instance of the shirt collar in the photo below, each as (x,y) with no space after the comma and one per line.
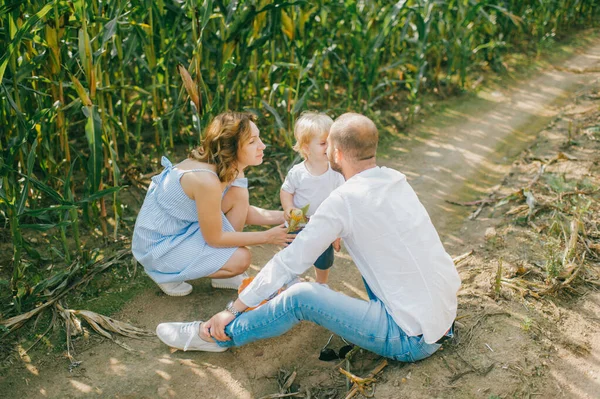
(367,172)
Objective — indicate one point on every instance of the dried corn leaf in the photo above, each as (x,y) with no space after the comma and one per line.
(517,210)
(462,257)
(564,155)
(16,322)
(104,324)
(190,86)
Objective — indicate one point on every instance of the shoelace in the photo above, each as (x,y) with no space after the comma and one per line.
(191,329)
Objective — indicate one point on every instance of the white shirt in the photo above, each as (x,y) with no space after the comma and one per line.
(310,189)
(392,241)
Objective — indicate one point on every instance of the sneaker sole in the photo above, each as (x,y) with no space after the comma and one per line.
(223,286)
(202,349)
(169,293)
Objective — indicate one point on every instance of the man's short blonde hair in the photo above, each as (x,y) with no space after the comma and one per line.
(308,126)
(355,135)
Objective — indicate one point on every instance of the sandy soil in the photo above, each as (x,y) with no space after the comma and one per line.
(460,154)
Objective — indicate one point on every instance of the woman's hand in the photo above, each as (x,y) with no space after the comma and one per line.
(279,236)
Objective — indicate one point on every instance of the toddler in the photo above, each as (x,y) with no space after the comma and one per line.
(311,181)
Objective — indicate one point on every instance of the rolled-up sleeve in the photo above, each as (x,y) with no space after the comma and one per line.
(328,223)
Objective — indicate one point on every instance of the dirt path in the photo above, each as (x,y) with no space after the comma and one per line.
(459,154)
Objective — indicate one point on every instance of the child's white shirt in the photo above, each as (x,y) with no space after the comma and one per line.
(310,189)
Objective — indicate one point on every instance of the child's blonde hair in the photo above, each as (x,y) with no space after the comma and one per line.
(308,126)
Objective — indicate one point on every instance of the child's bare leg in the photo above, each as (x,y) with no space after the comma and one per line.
(322,276)
(235,206)
(237,264)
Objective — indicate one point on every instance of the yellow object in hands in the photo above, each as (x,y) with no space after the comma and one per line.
(298,218)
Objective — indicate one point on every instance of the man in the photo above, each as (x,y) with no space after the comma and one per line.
(410,279)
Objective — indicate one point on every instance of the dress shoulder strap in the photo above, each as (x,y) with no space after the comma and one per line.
(183,172)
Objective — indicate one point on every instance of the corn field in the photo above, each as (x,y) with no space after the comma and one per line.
(90,88)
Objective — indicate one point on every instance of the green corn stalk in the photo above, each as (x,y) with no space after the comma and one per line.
(240,54)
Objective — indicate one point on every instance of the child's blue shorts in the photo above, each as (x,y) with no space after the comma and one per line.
(325,261)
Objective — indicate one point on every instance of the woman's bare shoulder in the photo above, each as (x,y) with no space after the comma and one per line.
(191,164)
(200,182)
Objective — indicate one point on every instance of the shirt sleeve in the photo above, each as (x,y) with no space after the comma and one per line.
(290,182)
(328,223)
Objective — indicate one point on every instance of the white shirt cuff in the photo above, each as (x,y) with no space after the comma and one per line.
(250,298)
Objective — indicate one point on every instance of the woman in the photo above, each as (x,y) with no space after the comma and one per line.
(191,221)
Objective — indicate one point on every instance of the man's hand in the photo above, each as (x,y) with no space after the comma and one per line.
(215,327)
(337,245)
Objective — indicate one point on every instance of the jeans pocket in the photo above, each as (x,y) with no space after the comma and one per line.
(419,349)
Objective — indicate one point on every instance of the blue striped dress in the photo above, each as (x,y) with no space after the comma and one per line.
(167,239)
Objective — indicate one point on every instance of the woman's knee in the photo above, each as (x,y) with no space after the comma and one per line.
(236,196)
(240,260)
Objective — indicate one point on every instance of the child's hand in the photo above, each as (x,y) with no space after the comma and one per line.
(337,245)
(297,218)
(286,214)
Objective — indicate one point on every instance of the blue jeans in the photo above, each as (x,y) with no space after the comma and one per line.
(366,324)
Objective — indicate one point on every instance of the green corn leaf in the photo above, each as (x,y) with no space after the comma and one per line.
(243,21)
(24,30)
(308,66)
(24,192)
(300,103)
(390,21)
(280,4)
(68,194)
(5,9)
(99,194)
(227,67)
(275,114)
(93,134)
(208,7)
(44,226)
(41,211)
(109,30)
(49,191)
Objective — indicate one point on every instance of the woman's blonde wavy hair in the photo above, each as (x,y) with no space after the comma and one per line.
(224,136)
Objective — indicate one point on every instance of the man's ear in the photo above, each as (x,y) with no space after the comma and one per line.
(337,155)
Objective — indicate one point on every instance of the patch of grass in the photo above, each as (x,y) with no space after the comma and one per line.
(586,184)
(553,252)
(108,293)
(558,183)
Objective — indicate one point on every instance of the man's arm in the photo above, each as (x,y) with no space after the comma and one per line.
(328,223)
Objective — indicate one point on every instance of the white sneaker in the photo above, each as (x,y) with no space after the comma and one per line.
(176,289)
(232,283)
(184,336)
